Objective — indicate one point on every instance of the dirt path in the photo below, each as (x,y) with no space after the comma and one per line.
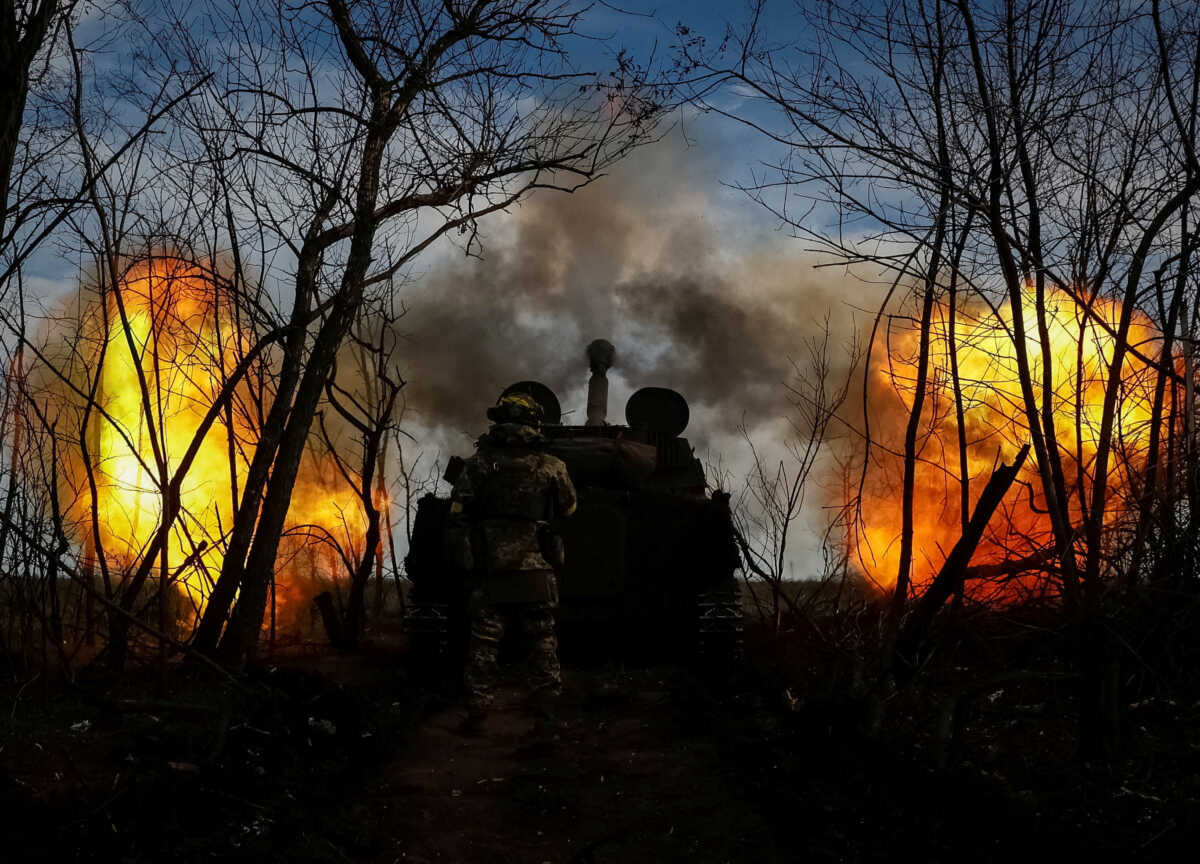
(635,777)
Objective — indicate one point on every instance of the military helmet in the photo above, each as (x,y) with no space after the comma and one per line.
(516,408)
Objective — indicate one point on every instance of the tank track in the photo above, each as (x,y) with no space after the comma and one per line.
(720,627)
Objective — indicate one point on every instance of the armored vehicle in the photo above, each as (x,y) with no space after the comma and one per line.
(650,555)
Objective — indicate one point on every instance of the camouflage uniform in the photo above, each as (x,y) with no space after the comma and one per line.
(501,503)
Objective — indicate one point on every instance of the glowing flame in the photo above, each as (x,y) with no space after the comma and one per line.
(996,427)
(169,342)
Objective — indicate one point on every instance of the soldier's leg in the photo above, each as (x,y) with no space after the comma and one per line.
(487,629)
(545,674)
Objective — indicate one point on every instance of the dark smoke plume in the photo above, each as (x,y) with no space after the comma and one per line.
(641,258)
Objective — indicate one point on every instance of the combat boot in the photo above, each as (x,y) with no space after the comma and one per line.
(543,738)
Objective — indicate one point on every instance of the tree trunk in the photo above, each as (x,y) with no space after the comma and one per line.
(330,620)
(355,612)
(16,55)
(951,575)
(242,634)
(216,611)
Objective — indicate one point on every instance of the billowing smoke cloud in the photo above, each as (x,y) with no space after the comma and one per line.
(691,299)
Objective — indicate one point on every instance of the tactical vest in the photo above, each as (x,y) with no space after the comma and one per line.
(513,499)
(512,487)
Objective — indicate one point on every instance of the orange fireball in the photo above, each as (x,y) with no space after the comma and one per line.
(168,343)
(995,427)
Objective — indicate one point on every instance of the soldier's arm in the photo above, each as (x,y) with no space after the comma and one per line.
(564,489)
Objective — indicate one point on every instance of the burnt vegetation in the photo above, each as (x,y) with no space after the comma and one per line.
(969,550)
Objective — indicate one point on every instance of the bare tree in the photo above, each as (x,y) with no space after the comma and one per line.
(773,497)
(365,399)
(1049,149)
(28,32)
(59,142)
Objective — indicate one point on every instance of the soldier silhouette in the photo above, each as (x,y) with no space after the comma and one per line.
(500,509)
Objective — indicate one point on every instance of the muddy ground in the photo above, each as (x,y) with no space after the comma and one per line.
(343,758)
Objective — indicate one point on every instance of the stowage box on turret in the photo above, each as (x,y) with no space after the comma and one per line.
(649,555)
